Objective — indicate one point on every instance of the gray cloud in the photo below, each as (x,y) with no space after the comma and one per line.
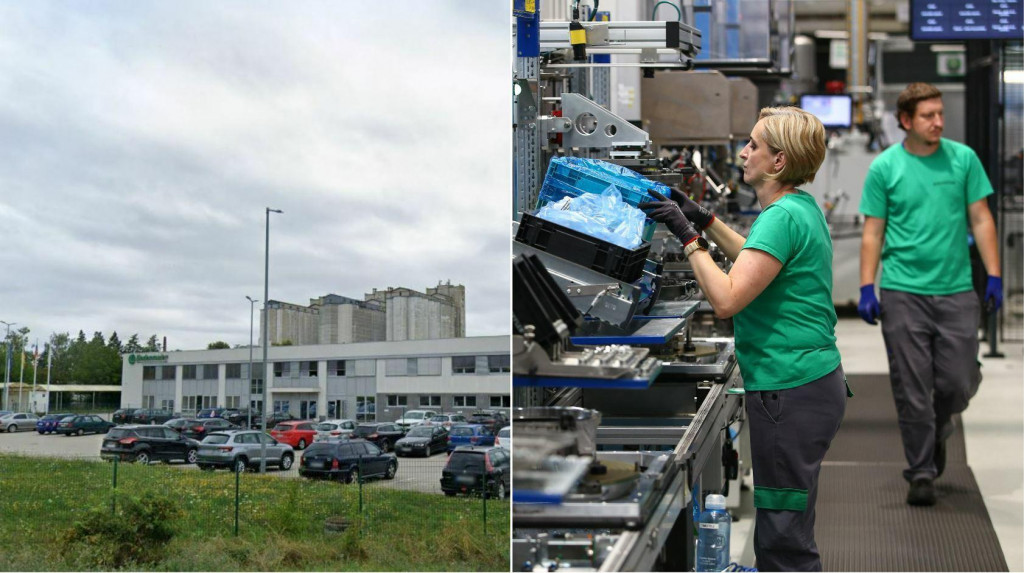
(140,143)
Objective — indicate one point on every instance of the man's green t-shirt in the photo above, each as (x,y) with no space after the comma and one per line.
(924,203)
(786,336)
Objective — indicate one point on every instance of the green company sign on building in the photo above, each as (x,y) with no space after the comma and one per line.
(133,358)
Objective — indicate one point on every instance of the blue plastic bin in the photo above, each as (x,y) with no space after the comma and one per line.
(573,176)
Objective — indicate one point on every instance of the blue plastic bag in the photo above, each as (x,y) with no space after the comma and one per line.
(604,216)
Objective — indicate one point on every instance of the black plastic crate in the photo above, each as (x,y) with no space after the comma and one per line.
(617,262)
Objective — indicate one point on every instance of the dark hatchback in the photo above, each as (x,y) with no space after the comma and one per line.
(150,416)
(178,424)
(241,417)
(198,429)
(469,466)
(123,416)
(48,423)
(274,419)
(211,413)
(493,419)
(343,459)
(79,425)
(383,434)
(423,440)
(146,443)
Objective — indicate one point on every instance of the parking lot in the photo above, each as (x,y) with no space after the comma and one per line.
(414,474)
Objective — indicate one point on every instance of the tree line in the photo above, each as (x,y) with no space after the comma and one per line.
(79,360)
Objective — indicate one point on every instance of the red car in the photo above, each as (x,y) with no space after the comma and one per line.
(298,434)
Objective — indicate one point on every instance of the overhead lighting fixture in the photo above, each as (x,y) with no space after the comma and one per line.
(948,48)
(1013,77)
(844,35)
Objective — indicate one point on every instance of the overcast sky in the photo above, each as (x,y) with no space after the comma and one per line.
(140,142)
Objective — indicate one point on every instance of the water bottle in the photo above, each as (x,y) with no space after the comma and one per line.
(713,535)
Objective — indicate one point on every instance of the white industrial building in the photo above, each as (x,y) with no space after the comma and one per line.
(390,314)
(365,381)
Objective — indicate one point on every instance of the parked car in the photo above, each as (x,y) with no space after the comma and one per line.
(146,443)
(469,466)
(178,424)
(470,435)
(414,418)
(211,413)
(241,416)
(334,429)
(296,434)
(123,416)
(48,423)
(5,412)
(343,460)
(78,425)
(384,434)
(152,416)
(198,429)
(274,419)
(503,439)
(448,420)
(493,419)
(423,440)
(241,449)
(18,421)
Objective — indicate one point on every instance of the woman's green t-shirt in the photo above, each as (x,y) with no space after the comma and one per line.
(786,336)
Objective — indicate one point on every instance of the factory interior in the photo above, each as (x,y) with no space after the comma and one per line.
(629,406)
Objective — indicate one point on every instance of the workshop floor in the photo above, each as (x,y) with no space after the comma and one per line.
(993,428)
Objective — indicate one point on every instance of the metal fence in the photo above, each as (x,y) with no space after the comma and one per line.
(277,520)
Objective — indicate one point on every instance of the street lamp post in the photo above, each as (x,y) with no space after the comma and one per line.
(49,368)
(266,331)
(248,394)
(7,370)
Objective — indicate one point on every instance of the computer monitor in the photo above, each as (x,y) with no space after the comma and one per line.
(834,110)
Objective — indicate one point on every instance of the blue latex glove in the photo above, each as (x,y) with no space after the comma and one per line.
(868,306)
(993,294)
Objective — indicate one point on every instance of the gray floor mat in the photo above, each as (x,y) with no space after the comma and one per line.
(863,522)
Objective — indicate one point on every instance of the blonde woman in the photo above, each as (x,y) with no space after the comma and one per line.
(779,294)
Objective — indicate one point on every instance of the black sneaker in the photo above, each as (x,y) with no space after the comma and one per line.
(940,457)
(922,492)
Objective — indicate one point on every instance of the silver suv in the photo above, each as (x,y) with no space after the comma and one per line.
(240,449)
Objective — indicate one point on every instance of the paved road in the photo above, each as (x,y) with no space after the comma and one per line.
(419,474)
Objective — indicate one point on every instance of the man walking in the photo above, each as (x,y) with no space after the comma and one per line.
(918,199)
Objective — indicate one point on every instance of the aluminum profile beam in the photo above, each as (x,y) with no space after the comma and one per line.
(626,37)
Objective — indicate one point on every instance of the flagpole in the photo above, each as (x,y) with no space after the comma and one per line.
(21,379)
(49,367)
(35,373)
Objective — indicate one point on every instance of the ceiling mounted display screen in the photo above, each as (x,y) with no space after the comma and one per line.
(956,20)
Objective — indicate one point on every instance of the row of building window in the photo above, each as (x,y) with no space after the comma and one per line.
(398,400)
(365,405)
(427,366)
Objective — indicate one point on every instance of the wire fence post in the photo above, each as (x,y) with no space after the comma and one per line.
(238,480)
(483,482)
(113,497)
(359,478)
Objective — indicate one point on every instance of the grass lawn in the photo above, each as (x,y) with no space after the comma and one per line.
(281,521)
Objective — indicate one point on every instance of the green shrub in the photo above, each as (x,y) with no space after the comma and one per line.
(136,533)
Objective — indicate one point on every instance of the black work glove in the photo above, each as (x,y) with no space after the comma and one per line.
(695,212)
(667,211)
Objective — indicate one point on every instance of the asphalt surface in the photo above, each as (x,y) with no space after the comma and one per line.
(416,474)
